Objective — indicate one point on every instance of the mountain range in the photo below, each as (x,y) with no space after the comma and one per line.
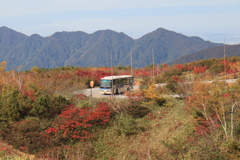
(213,52)
(101,48)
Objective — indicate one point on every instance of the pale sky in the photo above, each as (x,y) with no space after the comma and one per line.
(133,17)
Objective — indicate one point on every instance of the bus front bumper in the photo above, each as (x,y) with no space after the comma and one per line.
(105,91)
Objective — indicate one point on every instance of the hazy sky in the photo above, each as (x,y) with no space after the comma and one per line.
(133,17)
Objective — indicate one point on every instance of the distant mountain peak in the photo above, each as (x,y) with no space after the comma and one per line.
(36,35)
(7,30)
(164,30)
(107,31)
(161,29)
(160,32)
(4,27)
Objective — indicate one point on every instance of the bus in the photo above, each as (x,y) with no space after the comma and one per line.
(116,84)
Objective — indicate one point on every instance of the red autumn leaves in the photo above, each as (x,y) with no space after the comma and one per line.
(76,123)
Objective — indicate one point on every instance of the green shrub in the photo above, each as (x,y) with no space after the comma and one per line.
(138,111)
(10,100)
(16,105)
(161,102)
(127,126)
(233,146)
(46,106)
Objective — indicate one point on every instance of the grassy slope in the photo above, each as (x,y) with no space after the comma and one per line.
(165,125)
(168,134)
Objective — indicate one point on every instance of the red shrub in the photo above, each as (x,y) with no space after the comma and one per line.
(199,69)
(179,66)
(226,95)
(74,123)
(98,74)
(141,73)
(165,66)
(83,73)
(62,76)
(175,78)
(206,126)
(93,74)
(224,62)
(201,130)
(28,93)
(190,68)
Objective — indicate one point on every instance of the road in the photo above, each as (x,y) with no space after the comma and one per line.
(94,92)
(228,81)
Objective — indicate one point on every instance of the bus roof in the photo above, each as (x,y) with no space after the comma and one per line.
(116,77)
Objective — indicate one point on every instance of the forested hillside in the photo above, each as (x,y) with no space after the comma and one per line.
(101,48)
(42,118)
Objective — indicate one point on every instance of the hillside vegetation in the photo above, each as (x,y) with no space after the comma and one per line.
(41,118)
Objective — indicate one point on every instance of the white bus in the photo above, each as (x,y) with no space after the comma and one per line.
(116,84)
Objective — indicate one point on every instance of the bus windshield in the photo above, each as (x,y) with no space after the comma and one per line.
(106,84)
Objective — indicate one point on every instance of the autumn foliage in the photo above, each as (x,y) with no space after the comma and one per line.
(199,69)
(41,114)
(75,123)
(94,74)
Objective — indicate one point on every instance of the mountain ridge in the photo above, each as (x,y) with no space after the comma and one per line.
(101,48)
(213,52)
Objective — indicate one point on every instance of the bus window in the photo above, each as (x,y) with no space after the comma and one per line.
(105,83)
(120,81)
(131,80)
(115,81)
(124,80)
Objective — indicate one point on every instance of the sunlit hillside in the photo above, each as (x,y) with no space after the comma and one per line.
(42,118)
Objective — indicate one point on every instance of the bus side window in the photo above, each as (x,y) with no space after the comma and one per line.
(124,80)
(115,82)
(120,81)
(131,80)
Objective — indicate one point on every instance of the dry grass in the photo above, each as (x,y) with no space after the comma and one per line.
(8,152)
